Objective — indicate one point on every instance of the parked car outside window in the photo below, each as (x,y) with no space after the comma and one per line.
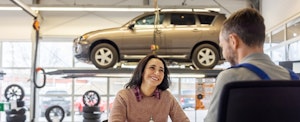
(182,37)
(187,99)
(53,97)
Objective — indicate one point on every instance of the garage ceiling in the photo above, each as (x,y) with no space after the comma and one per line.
(17,25)
(229,5)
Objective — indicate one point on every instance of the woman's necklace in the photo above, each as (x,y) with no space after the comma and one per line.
(151,119)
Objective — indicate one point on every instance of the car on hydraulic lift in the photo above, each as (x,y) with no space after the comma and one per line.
(180,37)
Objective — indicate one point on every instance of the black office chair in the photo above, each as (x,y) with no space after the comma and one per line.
(260,101)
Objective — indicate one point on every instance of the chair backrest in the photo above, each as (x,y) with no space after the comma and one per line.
(260,101)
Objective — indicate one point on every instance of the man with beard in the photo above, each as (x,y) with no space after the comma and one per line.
(242,38)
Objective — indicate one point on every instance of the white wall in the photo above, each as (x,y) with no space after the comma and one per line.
(276,12)
(73,24)
(16,25)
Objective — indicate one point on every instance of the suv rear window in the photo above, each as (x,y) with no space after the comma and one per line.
(206,19)
(183,19)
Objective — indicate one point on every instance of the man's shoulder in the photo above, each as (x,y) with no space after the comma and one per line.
(232,71)
(234,74)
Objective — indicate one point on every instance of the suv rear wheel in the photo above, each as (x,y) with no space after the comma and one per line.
(104,56)
(205,56)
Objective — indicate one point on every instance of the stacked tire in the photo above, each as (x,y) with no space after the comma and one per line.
(55,113)
(91,110)
(14,95)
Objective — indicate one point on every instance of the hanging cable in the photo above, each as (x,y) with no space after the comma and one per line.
(44,77)
(154,46)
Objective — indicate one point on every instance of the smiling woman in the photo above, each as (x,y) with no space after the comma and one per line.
(145,97)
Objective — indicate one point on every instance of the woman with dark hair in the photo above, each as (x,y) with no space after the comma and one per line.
(145,97)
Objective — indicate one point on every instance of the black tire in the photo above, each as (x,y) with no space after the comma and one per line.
(91,116)
(91,98)
(20,103)
(15,118)
(68,113)
(21,111)
(205,56)
(90,109)
(104,56)
(90,120)
(55,111)
(14,92)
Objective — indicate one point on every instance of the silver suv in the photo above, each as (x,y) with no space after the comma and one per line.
(182,37)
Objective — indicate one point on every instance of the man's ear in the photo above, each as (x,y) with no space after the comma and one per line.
(234,40)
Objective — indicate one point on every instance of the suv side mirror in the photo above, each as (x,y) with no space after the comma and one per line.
(131,26)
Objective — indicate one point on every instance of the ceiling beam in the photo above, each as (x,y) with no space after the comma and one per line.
(36,2)
(146,2)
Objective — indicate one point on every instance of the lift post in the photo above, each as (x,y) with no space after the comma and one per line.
(35,42)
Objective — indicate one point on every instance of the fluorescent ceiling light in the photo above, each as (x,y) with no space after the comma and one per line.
(80,9)
(10,9)
(90,9)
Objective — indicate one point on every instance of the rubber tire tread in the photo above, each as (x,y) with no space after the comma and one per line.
(15,118)
(91,116)
(48,110)
(89,120)
(14,111)
(90,109)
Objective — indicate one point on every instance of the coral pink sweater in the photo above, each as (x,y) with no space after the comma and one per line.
(127,108)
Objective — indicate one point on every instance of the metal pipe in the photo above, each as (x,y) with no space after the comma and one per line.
(26,8)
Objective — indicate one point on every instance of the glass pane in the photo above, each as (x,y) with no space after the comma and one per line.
(278,35)
(267,44)
(293,51)
(116,84)
(278,54)
(55,54)
(293,28)
(83,85)
(49,100)
(16,54)
(174,86)
(18,77)
(83,64)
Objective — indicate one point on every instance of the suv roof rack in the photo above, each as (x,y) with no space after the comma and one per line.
(216,10)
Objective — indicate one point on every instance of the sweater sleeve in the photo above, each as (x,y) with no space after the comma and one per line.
(176,112)
(118,111)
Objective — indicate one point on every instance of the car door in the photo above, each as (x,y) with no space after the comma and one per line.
(137,41)
(181,34)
